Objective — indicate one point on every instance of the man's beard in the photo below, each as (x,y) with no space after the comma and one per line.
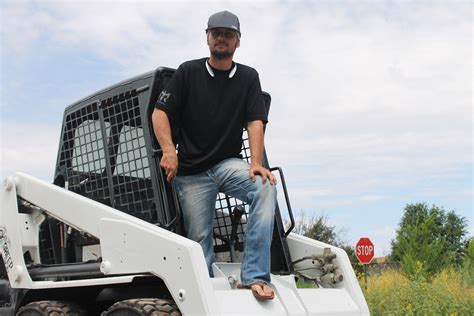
(221,54)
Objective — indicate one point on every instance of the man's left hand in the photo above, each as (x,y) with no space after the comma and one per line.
(264,172)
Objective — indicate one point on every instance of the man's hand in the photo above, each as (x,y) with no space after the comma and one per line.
(169,162)
(264,172)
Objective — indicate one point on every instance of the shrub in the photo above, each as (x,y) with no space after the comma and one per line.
(393,293)
(468,263)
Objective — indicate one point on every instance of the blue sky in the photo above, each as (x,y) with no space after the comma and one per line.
(371,100)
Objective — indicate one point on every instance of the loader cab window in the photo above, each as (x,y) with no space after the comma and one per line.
(132,159)
(88,153)
(133,189)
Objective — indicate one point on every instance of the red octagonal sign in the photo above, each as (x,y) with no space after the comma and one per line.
(364,250)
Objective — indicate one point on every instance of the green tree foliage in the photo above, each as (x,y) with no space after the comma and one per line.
(468,263)
(455,230)
(428,240)
(470,251)
(319,229)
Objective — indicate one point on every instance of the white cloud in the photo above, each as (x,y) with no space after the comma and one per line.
(29,148)
(312,192)
(468,192)
(21,27)
(385,232)
(131,34)
(374,197)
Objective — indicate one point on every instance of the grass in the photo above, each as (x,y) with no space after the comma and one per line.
(303,284)
(450,292)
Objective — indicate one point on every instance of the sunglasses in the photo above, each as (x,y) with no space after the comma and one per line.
(228,34)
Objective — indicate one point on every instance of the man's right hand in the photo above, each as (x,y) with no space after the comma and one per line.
(169,162)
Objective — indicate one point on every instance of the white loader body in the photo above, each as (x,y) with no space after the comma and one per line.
(130,247)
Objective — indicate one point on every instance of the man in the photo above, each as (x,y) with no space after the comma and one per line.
(206,104)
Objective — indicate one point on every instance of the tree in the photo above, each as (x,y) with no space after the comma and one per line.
(428,239)
(468,262)
(319,229)
(455,229)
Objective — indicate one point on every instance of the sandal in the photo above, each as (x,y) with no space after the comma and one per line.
(255,292)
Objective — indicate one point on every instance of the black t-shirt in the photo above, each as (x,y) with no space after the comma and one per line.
(208,113)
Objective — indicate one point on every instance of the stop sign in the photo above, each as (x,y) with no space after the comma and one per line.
(364,250)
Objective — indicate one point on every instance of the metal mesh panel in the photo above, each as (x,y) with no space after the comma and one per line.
(104,157)
(88,153)
(131,178)
(224,207)
(45,244)
(84,155)
(83,162)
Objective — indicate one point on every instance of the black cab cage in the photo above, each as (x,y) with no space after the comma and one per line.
(108,153)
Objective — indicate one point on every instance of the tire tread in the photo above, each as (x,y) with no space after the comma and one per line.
(52,308)
(145,306)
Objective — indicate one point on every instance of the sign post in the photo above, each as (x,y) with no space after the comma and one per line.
(364,253)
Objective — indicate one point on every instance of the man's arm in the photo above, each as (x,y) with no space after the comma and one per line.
(255,133)
(162,129)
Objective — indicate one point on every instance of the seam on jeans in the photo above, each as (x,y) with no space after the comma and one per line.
(240,188)
(234,170)
(211,176)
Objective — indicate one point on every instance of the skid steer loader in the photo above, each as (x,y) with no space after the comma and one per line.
(106,237)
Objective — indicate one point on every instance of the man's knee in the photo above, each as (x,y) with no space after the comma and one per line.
(265,190)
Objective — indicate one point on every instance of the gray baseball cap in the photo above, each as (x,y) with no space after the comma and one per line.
(224,19)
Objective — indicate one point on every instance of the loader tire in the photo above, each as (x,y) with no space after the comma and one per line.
(143,307)
(50,308)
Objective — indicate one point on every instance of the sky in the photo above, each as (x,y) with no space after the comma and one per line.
(371,100)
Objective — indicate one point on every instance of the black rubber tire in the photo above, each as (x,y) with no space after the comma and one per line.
(50,308)
(143,307)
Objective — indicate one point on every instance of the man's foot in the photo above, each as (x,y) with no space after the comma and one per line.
(260,290)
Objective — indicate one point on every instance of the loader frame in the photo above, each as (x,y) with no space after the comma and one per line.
(109,228)
(173,261)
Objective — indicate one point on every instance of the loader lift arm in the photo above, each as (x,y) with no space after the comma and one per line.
(175,259)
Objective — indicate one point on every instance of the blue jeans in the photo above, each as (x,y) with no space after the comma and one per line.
(197,196)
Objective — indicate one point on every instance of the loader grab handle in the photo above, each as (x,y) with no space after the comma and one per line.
(157,153)
(287,199)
